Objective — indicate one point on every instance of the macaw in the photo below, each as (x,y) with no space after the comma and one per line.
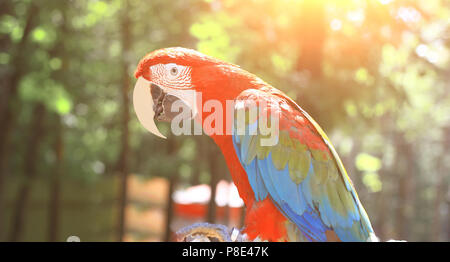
(295,189)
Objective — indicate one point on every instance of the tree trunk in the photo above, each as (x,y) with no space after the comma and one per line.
(214,172)
(173,180)
(197,168)
(224,175)
(59,50)
(169,215)
(441,191)
(30,161)
(405,187)
(123,159)
(381,207)
(55,188)
(8,98)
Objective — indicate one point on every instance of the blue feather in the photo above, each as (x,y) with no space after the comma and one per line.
(312,214)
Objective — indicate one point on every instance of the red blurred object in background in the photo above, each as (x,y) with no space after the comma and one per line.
(193,202)
(147,208)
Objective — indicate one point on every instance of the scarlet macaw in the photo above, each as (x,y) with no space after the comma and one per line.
(294,190)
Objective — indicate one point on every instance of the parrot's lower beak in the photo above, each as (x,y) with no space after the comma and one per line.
(152,102)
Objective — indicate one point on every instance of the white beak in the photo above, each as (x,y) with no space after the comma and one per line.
(143,103)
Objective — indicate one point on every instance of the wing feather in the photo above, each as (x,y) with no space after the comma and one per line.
(302,173)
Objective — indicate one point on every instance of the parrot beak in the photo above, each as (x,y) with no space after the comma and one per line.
(152,102)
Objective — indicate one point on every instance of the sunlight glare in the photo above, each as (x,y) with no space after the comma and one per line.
(336,24)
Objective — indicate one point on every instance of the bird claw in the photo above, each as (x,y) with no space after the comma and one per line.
(205,232)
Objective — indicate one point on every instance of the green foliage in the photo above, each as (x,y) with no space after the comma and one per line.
(4,58)
(213,37)
(370,165)
(9,25)
(373,182)
(46,91)
(366,162)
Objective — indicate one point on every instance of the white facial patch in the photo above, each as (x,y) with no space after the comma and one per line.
(171,76)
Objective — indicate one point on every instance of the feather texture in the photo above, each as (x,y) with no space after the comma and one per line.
(301,174)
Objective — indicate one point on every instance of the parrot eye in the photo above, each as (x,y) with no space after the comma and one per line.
(174,71)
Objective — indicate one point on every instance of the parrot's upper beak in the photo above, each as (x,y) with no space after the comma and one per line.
(164,104)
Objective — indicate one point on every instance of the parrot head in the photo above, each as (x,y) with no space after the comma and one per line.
(179,76)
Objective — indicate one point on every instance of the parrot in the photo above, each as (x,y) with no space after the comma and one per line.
(294,186)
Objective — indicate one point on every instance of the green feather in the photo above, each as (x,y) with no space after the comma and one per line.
(280,156)
(286,140)
(345,196)
(333,173)
(299,165)
(320,171)
(335,200)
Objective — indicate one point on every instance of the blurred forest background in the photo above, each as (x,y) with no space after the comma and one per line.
(374,74)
